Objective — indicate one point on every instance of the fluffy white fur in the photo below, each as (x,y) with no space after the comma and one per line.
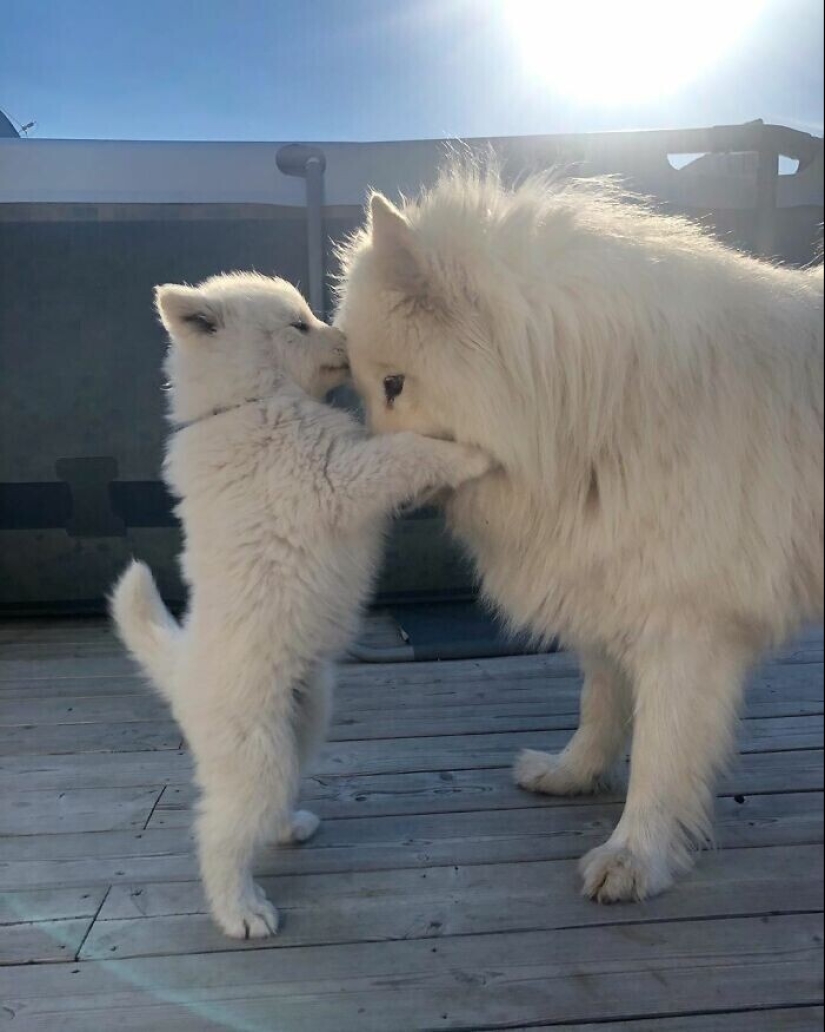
(655,402)
(282,500)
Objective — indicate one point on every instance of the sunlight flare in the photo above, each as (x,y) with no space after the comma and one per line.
(613,53)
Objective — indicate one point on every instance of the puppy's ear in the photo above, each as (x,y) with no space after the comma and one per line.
(403,263)
(186,313)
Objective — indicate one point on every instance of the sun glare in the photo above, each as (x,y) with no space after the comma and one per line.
(598,51)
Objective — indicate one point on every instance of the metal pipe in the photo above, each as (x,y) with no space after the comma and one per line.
(767,181)
(315,234)
(309,163)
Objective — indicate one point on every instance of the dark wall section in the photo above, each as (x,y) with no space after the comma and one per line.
(81,420)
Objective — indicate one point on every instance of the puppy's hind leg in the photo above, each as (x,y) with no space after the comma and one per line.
(586,764)
(248,798)
(312,712)
(311,717)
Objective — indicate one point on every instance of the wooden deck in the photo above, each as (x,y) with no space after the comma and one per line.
(435,896)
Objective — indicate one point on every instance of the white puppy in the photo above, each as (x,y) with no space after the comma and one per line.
(282,500)
(654,400)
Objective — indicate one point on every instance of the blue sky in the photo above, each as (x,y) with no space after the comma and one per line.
(373,70)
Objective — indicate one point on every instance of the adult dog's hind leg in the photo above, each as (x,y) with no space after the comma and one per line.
(587,763)
(687,692)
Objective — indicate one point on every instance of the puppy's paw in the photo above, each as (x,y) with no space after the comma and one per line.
(473,462)
(553,774)
(616,874)
(302,826)
(253,918)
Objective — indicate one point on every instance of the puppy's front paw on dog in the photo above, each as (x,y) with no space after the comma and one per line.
(255,918)
(616,874)
(476,461)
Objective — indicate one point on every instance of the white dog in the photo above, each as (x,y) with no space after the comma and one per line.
(655,403)
(282,501)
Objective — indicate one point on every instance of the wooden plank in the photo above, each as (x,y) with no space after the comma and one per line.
(42,942)
(141,705)
(34,630)
(786,1019)
(782,733)
(378,628)
(484,705)
(94,809)
(47,689)
(375,843)
(492,789)
(84,628)
(171,918)
(466,982)
(49,648)
(35,668)
(46,925)
(813,634)
(106,809)
(468,752)
(778,691)
(71,739)
(50,904)
(94,770)
(34,663)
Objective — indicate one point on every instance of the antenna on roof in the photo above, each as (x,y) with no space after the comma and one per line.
(10,128)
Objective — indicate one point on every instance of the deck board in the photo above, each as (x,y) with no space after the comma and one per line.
(436,894)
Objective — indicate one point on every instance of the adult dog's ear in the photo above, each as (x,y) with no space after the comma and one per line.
(402,260)
(186,313)
(391,233)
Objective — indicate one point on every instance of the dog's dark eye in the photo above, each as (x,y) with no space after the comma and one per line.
(393,386)
(300,326)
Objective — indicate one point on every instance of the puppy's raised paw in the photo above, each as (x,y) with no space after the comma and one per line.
(302,827)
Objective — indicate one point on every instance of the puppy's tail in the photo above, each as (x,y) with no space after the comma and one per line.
(145,625)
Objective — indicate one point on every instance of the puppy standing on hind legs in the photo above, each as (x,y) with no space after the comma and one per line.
(282,501)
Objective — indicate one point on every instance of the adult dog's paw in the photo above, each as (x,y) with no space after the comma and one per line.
(553,774)
(616,874)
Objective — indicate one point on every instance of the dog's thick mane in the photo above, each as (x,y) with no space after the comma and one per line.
(610,321)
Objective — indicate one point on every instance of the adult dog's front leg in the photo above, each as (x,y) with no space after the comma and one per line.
(687,692)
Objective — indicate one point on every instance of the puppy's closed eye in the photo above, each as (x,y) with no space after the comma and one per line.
(393,386)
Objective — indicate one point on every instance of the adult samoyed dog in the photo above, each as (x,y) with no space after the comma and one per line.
(283,501)
(654,401)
